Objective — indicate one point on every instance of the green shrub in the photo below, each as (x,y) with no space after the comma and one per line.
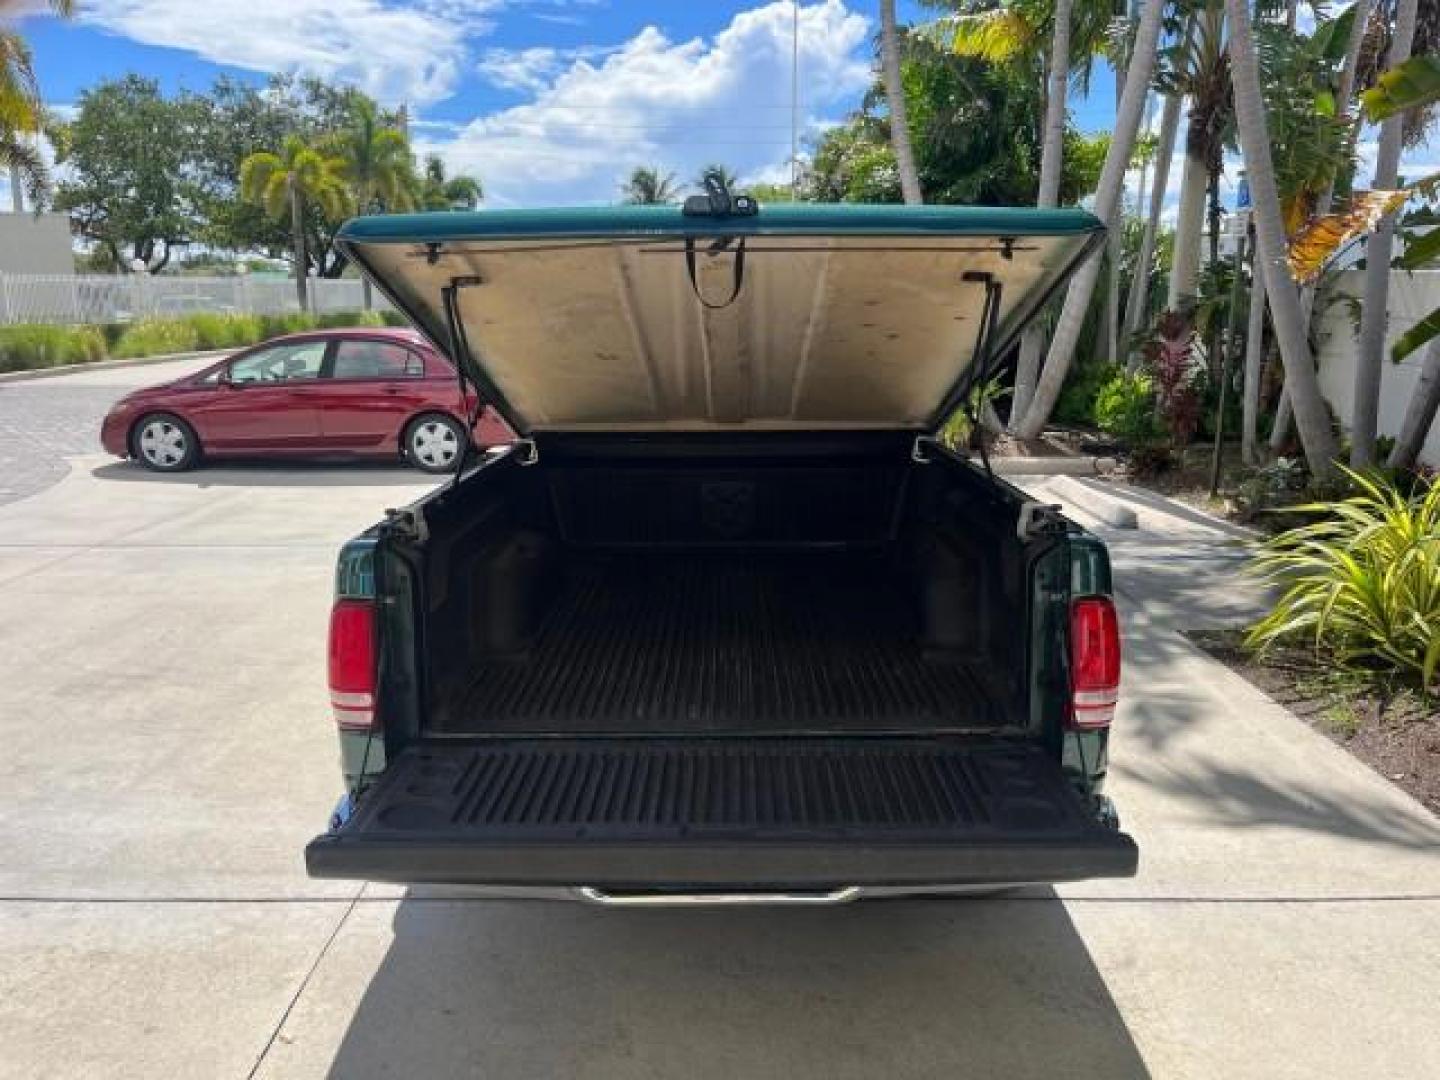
(112,332)
(292,322)
(156,337)
(1125,407)
(1076,404)
(217,331)
(1363,582)
(28,346)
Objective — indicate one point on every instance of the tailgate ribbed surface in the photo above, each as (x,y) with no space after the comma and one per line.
(642,788)
(643,644)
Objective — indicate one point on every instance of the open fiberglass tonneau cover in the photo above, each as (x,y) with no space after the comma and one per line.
(799,316)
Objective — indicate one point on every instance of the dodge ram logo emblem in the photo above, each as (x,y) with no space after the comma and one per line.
(727,508)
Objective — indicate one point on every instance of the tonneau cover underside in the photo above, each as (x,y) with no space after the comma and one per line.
(863,318)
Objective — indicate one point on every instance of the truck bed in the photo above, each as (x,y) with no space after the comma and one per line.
(655,643)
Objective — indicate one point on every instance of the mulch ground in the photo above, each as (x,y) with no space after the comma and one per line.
(1392,729)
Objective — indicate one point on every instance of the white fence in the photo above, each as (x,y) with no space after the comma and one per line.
(86,298)
(1411,297)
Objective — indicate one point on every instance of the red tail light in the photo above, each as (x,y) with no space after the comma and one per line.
(352,664)
(1094,663)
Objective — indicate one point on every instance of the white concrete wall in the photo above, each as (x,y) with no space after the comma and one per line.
(31,245)
(1412,296)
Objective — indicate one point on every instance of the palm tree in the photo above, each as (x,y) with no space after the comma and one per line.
(1015,33)
(1200,71)
(1309,407)
(286,183)
(1139,300)
(1345,91)
(1364,417)
(375,162)
(1254,354)
(441,192)
(723,173)
(21,110)
(1107,205)
(895,100)
(647,186)
(1052,159)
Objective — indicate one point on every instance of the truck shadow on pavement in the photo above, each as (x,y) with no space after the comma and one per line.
(239,472)
(943,988)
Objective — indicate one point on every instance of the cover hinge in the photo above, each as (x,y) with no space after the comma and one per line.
(1039,519)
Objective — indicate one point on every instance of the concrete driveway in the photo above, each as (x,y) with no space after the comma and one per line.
(165,752)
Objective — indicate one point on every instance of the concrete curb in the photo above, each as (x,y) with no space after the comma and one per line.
(106,365)
(1053,466)
(1111,511)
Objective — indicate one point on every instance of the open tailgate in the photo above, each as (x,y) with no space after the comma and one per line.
(745,814)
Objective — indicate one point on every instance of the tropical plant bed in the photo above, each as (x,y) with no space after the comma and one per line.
(1390,727)
(1187,481)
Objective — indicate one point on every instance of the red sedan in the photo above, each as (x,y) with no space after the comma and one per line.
(372,392)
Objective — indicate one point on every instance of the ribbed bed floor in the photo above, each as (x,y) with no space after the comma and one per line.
(709,643)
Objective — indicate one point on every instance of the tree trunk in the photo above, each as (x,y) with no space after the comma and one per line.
(1114,248)
(1311,417)
(1052,150)
(1189,225)
(297,229)
(17,190)
(1254,355)
(1213,227)
(1052,159)
(895,98)
(1370,354)
(1420,413)
(1280,430)
(1140,287)
(1345,91)
(1107,199)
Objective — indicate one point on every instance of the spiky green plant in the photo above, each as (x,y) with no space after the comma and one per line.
(1363,582)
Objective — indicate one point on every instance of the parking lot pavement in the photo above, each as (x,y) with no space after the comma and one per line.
(44,422)
(167,751)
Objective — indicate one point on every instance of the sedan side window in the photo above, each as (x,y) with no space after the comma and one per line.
(364,359)
(284,363)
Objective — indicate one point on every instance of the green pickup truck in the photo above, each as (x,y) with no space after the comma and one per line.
(727,622)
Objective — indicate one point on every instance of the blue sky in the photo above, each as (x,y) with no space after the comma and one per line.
(547,100)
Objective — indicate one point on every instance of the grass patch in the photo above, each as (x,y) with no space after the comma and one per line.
(155,337)
(27,347)
(214,331)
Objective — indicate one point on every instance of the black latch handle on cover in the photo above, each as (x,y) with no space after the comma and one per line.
(715,249)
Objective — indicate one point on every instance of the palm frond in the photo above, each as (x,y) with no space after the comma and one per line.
(996,37)
(1411,85)
(1321,237)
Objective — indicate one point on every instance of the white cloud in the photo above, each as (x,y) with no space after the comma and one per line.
(674,104)
(403,52)
(531,70)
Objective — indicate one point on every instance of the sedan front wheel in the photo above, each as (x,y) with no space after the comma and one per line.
(165,443)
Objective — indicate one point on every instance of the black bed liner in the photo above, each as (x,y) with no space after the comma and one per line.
(708,643)
(707,813)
